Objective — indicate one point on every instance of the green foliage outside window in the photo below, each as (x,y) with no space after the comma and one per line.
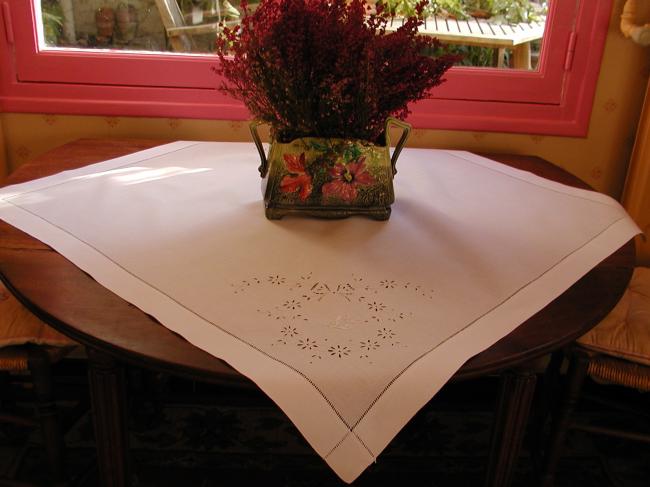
(497,11)
(505,11)
(52,21)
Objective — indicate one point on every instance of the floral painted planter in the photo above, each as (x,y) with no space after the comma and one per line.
(329,177)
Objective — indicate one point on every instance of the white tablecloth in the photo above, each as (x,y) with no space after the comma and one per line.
(350,326)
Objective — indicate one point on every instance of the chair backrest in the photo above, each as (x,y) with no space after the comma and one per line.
(171,16)
(170,13)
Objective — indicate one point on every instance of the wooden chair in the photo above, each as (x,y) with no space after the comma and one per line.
(180,33)
(27,345)
(616,351)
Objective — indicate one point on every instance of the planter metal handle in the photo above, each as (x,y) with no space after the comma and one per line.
(264,166)
(402,140)
(406,131)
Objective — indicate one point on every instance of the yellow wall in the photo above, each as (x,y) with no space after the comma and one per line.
(3,157)
(600,159)
(636,196)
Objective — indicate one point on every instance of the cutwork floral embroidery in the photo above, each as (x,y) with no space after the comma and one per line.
(370,345)
(375,306)
(292,304)
(320,289)
(277,280)
(339,351)
(346,290)
(386,333)
(289,331)
(307,344)
(363,318)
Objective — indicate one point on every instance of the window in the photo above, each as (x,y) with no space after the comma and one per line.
(107,72)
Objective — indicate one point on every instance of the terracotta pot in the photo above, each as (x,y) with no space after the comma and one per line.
(127,22)
(105,21)
(480,14)
(122,13)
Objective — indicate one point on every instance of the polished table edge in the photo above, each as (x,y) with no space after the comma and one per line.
(210,369)
(107,377)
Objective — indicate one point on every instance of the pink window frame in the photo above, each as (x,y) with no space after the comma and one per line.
(556,99)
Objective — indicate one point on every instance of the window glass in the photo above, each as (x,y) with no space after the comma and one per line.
(487,33)
(136,25)
(118,57)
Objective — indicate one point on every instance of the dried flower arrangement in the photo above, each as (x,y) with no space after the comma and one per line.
(327,68)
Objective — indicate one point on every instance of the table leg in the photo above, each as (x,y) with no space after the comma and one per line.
(544,401)
(576,376)
(521,56)
(516,391)
(108,400)
(501,58)
(46,411)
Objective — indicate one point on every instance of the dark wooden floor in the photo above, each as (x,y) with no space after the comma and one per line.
(184,433)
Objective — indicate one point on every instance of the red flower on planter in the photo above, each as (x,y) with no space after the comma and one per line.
(346,179)
(297,179)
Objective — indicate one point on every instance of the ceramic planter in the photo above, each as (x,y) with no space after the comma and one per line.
(329,177)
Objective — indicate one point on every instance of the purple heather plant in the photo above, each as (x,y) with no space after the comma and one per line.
(327,68)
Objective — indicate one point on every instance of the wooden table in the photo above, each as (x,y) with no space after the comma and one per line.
(483,33)
(116,332)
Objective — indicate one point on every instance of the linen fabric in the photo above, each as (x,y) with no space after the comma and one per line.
(350,326)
